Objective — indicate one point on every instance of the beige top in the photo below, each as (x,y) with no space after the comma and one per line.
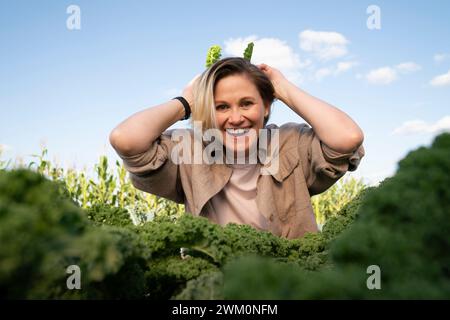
(306,167)
(236,202)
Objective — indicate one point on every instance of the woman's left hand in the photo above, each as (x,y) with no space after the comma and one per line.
(279,81)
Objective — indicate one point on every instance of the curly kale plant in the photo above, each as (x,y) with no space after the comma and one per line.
(215,52)
(401,232)
(401,227)
(213,55)
(43,232)
(307,254)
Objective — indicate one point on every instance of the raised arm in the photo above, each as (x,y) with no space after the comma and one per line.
(333,126)
(136,134)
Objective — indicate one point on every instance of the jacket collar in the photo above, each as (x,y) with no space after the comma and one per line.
(279,164)
(212,178)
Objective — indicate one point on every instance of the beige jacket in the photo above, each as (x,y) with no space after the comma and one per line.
(306,167)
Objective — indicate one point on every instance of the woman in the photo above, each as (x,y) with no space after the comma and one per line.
(234,97)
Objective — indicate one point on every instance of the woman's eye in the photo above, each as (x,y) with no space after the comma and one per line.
(222,107)
(247,103)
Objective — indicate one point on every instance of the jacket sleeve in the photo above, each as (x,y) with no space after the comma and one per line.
(154,172)
(322,165)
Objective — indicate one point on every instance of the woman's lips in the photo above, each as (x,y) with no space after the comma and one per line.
(237,132)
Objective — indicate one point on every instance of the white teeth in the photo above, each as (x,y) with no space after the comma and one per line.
(237,132)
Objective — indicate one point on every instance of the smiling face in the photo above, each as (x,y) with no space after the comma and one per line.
(240,112)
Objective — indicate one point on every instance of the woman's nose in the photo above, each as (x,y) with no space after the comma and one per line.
(235,116)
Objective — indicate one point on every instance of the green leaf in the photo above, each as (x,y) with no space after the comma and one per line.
(214,54)
(248,52)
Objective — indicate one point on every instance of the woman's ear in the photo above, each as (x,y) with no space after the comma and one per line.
(266,110)
(266,113)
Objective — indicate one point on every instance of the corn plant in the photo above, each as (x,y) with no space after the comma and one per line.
(4,164)
(108,186)
(42,165)
(105,187)
(327,204)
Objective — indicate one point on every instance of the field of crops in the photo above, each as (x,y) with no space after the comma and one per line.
(127,244)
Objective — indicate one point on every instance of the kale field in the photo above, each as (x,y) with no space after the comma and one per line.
(128,245)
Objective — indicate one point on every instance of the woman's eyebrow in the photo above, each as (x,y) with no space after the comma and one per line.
(244,98)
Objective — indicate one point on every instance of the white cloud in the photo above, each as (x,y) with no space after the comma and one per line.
(387,75)
(375,177)
(408,67)
(414,126)
(344,66)
(4,147)
(441,80)
(322,73)
(279,54)
(271,51)
(420,126)
(340,67)
(324,45)
(439,57)
(382,76)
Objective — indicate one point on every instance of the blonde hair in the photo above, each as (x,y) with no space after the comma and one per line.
(203,108)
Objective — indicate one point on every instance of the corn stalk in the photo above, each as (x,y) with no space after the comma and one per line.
(327,204)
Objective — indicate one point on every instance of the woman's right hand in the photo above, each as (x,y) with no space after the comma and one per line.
(188,92)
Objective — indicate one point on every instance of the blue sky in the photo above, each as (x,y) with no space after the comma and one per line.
(70,88)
